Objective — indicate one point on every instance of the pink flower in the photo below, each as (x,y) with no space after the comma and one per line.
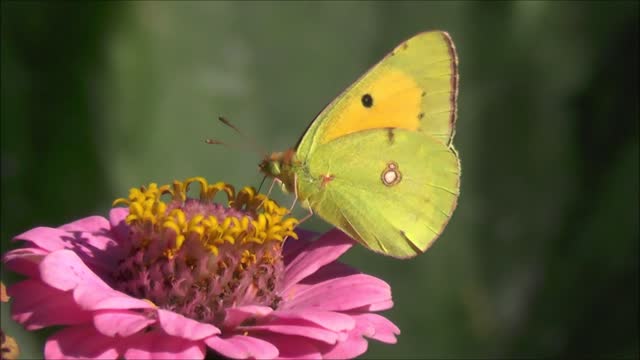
(177,279)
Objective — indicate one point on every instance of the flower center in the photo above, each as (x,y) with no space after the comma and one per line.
(196,257)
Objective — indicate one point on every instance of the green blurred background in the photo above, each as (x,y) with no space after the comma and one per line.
(539,260)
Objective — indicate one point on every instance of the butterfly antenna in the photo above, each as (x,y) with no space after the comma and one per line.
(251,141)
(218,142)
(262,182)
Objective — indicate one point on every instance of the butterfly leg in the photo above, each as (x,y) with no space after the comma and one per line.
(295,192)
(303,219)
(269,192)
(295,199)
(306,217)
(273,182)
(295,189)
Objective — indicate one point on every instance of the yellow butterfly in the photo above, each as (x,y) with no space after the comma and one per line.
(378,162)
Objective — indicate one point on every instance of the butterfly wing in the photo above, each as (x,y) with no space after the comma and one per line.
(393,190)
(414,87)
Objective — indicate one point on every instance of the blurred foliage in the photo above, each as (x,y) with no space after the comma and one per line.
(539,260)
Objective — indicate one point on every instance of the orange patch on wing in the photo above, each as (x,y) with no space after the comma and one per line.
(396,104)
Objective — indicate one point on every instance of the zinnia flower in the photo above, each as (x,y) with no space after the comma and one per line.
(179,278)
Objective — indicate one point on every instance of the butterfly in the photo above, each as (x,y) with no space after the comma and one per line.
(378,162)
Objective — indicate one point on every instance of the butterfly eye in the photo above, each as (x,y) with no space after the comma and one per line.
(274,168)
(367,100)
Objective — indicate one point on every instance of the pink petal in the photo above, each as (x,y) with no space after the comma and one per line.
(120,322)
(119,227)
(293,247)
(25,261)
(56,239)
(293,347)
(44,237)
(370,325)
(81,342)
(330,271)
(321,252)
(64,270)
(377,327)
(89,224)
(329,320)
(242,347)
(355,345)
(178,325)
(310,332)
(379,306)
(339,294)
(97,249)
(159,345)
(90,243)
(235,316)
(93,297)
(375,307)
(37,305)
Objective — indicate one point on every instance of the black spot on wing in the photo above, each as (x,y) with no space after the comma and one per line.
(367,100)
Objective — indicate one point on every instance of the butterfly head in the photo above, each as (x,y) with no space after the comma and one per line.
(279,165)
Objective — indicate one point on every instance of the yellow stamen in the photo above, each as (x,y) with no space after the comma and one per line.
(264,220)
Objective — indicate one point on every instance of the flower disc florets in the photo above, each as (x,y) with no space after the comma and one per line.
(196,257)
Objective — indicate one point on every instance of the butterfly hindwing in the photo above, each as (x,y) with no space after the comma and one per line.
(393,190)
